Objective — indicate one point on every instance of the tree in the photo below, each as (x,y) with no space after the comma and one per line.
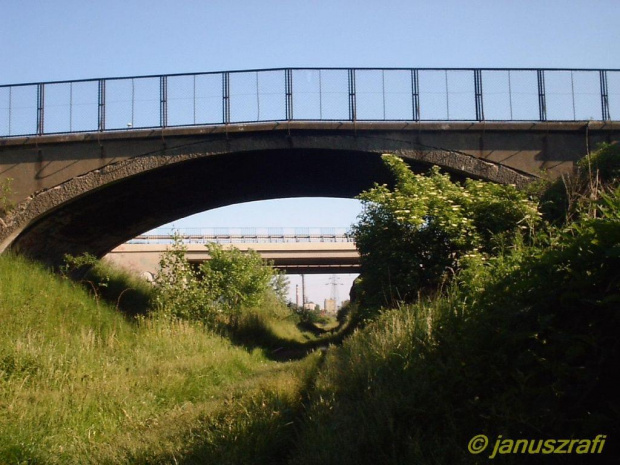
(178,288)
(280,285)
(235,280)
(230,282)
(415,236)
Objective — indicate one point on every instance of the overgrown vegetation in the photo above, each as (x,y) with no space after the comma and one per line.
(236,294)
(80,383)
(415,237)
(124,291)
(523,343)
(571,197)
(217,291)
(509,327)
(6,204)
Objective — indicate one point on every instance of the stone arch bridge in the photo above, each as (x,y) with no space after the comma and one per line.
(76,190)
(91,192)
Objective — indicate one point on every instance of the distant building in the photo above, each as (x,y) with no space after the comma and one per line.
(330,306)
(310,306)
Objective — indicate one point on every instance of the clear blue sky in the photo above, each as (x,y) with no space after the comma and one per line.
(72,39)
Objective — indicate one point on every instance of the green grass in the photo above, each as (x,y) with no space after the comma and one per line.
(522,343)
(127,292)
(524,347)
(283,334)
(80,383)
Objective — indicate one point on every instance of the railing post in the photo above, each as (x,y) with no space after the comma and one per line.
(383,91)
(163,101)
(10,107)
(101,105)
(478,92)
(226,98)
(40,109)
(194,97)
(510,93)
(604,96)
(352,99)
(542,101)
(415,95)
(288,85)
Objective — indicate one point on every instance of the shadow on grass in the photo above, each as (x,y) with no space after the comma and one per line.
(259,426)
(129,294)
(254,332)
(132,297)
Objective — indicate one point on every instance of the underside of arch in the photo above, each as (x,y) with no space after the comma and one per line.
(104,208)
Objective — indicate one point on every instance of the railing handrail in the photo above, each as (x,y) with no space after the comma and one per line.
(299,68)
(251,234)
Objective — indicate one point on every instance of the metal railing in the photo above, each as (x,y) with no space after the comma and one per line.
(309,94)
(243,235)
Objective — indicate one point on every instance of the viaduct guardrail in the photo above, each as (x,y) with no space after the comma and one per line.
(309,94)
(246,235)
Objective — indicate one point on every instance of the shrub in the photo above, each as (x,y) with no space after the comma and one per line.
(235,280)
(413,238)
(178,289)
(575,195)
(524,344)
(218,290)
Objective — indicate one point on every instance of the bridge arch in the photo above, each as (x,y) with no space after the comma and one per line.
(103,208)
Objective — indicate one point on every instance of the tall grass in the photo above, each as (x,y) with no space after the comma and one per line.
(121,289)
(524,347)
(80,383)
(522,344)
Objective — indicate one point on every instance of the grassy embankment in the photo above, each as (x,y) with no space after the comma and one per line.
(81,383)
(523,345)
